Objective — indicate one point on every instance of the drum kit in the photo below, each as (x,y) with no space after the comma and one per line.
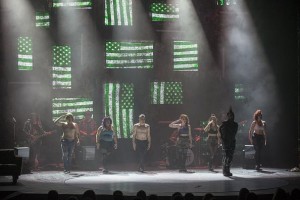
(172,151)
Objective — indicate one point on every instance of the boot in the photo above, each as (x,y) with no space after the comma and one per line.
(226,171)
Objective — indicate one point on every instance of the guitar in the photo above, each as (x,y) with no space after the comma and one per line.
(34,138)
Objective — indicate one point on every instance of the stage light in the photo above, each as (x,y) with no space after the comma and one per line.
(119,105)
(166,93)
(118,12)
(61,71)
(42,19)
(25,61)
(185,56)
(129,55)
(77,106)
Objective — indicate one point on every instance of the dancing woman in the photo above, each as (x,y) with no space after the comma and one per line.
(184,140)
(213,140)
(258,136)
(106,140)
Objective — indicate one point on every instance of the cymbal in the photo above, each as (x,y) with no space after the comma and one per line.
(199,129)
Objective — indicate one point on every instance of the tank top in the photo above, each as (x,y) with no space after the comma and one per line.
(106,135)
(183,131)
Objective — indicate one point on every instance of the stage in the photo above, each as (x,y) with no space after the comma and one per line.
(161,182)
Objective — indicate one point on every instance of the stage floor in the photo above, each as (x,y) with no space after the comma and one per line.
(160,182)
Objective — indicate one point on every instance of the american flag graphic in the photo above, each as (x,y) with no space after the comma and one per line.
(118,101)
(25,61)
(118,12)
(166,93)
(129,55)
(164,12)
(61,70)
(185,56)
(77,106)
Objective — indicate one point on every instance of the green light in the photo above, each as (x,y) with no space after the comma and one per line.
(61,70)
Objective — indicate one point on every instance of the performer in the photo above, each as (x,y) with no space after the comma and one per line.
(184,141)
(88,130)
(228,131)
(213,139)
(258,136)
(69,138)
(106,140)
(34,132)
(141,140)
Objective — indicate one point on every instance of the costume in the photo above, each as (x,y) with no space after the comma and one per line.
(105,137)
(212,144)
(228,131)
(183,144)
(258,142)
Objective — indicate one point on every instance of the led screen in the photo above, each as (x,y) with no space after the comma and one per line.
(129,55)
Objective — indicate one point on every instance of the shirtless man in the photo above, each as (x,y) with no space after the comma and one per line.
(69,138)
(141,140)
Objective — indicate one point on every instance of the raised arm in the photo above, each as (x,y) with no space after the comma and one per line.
(175,124)
(59,121)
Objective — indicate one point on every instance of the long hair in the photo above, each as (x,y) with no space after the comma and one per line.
(255,117)
(184,116)
(211,117)
(105,119)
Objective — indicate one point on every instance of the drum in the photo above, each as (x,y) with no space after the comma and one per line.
(172,157)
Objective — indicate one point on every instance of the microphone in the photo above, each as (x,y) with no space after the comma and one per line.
(14,120)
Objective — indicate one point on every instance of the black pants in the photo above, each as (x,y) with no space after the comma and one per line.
(258,144)
(228,151)
(106,149)
(141,150)
(182,145)
(212,143)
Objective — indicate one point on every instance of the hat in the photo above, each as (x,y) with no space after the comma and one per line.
(142,115)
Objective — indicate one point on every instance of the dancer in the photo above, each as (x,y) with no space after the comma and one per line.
(88,130)
(184,141)
(106,141)
(213,140)
(69,138)
(258,136)
(141,140)
(228,131)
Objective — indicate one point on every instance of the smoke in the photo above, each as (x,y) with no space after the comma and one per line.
(247,63)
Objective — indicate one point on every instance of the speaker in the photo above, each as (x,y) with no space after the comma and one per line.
(248,157)
(88,152)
